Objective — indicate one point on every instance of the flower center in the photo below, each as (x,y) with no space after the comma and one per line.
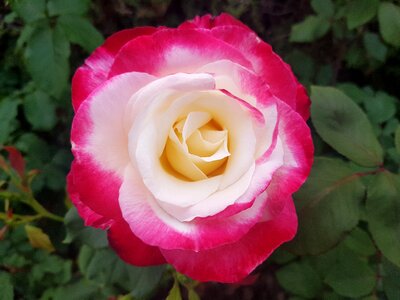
(196,148)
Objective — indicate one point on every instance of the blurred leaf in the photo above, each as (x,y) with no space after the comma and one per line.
(359,12)
(76,230)
(324,75)
(6,288)
(38,238)
(281,256)
(389,23)
(8,112)
(350,276)
(80,31)
(192,295)
(82,290)
(175,292)
(328,206)
(16,159)
(375,48)
(383,214)
(312,28)
(303,65)
(380,108)
(353,91)
(324,8)
(359,241)
(46,57)
(344,126)
(397,139)
(62,7)
(40,111)
(391,280)
(30,10)
(300,278)
(104,267)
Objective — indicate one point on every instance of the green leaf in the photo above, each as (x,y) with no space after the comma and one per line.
(6,288)
(383,214)
(391,280)
(324,8)
(192,295)
(360,242)
(40,111)
(62,7)
(359,12)
(328,206)
(300,278)
(38,239)
(80,31)
(344,126)
(312,28)
(380,108)
(104,267)
(356,94)
(397,139)
(280,256)
(76,230)
(46,56)
(350,276)
(29,10)
(389,23)
(175,292)
(375,48)
(8,114)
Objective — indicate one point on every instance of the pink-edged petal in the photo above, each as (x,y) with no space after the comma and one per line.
(130,248)
(233,262)
(208,22)
(155,227)
(173,50)
(298,157)
(303,102)
(95,188)
(90,217)
(100,145)
(265,62)
(98,128)
(95,70)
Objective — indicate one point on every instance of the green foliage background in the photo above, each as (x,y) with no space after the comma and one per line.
(347,54)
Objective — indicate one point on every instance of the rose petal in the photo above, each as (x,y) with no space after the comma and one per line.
(95,70)
(154,226)
(130,248)
(233,262)
(171,51)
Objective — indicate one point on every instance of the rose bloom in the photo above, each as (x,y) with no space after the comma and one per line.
(189,143)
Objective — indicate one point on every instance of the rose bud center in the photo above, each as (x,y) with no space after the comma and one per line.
(196,148)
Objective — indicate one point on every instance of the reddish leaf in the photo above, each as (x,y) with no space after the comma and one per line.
(16,160)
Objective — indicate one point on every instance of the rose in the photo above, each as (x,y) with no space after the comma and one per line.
(188,146)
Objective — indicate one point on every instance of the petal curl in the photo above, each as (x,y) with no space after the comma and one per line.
(155,227)
(100,146)
(130,248)
(97,66)
(171,51)
(232,262)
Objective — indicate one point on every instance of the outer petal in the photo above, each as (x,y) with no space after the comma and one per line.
(265,62)
(209,22)
(95,70)
(233,262)
(154,226)
(172,50)
(97,189)
(100,146)
(130,248)
(87,214)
